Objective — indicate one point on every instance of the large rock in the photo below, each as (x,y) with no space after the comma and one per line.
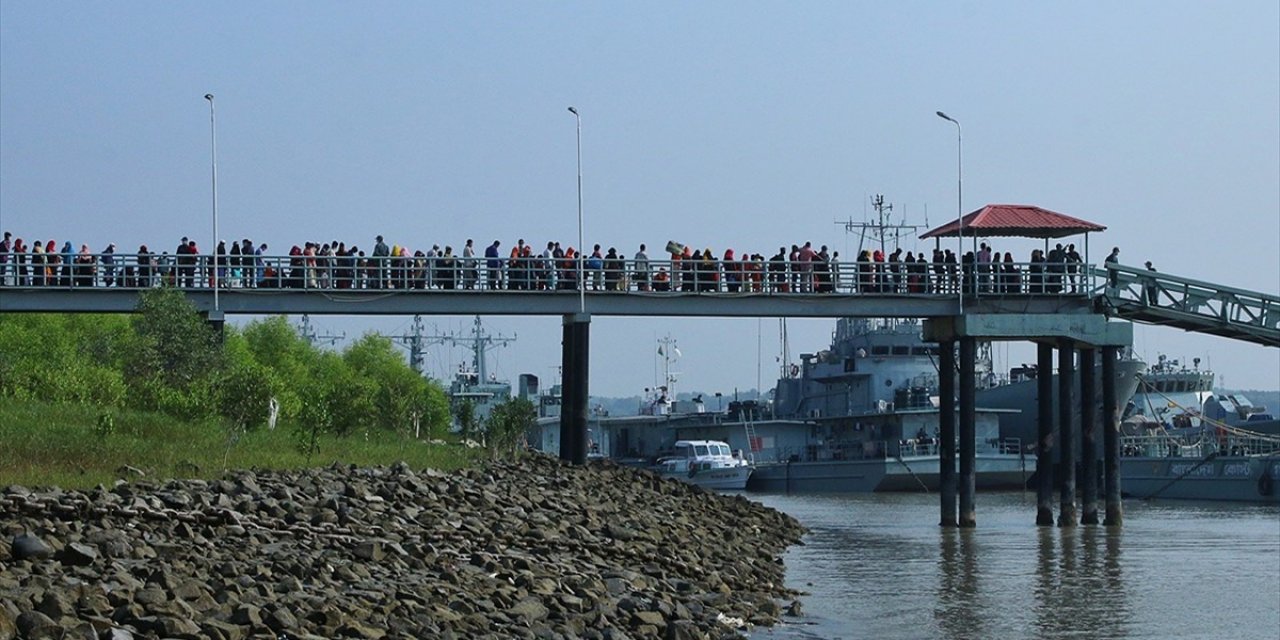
(29,547)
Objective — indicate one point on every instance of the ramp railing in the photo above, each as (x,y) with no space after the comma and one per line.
(1142,295)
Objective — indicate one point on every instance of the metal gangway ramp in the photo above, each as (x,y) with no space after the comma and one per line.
(1151,297)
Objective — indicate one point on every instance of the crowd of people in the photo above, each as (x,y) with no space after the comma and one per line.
(335,265)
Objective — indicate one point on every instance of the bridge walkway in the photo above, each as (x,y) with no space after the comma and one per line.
(1150,297)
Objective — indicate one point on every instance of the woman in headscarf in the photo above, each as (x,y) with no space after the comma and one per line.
(143,278)
(613,270)
(710,271)
(84,267)
(1012,279)
(52,272)
(68,261)
(732,271)
(37,264)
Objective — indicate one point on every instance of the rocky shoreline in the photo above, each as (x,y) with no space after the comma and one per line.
(529,548)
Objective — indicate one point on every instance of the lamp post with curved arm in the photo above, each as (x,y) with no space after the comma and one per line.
(213,247)
(582,285)
(959,198)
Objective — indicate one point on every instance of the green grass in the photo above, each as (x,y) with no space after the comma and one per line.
(62,445)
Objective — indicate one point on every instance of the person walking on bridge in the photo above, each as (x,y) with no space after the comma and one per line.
(1112,261)
(641,266)
(379,267)
(6,249)
(1149,286)
(1073,260)
(493,265)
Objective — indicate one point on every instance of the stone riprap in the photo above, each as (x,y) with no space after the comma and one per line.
(518,549)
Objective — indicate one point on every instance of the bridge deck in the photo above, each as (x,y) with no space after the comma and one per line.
(548,303)
(290,285)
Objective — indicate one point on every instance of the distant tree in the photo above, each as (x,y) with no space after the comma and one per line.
(315,418)
(62,358)
(172,350)
(464,413)
(293,362)
(399,394)
(507,425)
(244,387)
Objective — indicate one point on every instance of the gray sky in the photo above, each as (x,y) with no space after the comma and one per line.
(741,125)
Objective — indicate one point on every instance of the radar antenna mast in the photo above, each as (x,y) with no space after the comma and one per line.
(882,228)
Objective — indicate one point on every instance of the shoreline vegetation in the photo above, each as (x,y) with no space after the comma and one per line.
(89,398)
(66,445)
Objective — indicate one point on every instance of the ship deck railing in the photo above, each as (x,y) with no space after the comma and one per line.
(882,449)
(1163,445)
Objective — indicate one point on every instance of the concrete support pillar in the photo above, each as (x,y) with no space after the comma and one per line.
(1088,437)
(947,431)
(1111,436)
(1044,434)
(968,418)
(574,394)
(217,322)
(1066,430)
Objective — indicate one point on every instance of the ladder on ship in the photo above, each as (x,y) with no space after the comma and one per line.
(753,440)
(1150,297)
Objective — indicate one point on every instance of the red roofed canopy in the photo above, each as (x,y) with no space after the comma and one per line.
(1015,220)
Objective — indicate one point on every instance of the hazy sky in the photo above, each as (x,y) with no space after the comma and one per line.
(718,124)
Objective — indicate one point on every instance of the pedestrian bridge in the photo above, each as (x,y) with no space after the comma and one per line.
(1056,305)
(293,285)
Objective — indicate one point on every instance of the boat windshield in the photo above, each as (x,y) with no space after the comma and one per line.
(700,450)
(722,449)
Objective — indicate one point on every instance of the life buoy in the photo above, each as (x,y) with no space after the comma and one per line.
(1265,484)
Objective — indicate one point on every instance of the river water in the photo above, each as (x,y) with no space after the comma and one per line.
(879,566)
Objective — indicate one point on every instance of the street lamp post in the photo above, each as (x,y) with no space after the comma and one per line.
(582,288)
(575,356)
(213,247)
(959,200)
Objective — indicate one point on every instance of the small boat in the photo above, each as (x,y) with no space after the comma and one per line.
(707,463)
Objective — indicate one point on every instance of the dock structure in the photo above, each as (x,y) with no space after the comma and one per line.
(1069,335)
(1067,310)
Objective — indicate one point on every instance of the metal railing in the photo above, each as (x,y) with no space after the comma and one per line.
(1135,293)
(420,273)
(1161,445)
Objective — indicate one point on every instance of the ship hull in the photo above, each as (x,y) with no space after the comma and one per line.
(1023,398)
(724,479)
(1225,478)
(911,474)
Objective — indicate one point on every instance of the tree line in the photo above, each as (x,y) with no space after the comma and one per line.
(166,358)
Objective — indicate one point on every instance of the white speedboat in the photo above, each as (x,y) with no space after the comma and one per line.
(706,463)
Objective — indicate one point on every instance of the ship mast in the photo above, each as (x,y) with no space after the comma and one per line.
(481,344)
(881,229)
(308,332)
(667,348)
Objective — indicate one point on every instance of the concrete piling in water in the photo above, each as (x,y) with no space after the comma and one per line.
(1088,438)
(947,432)
(1066,409)
(1044,434)
(968,431)
(1111,437)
